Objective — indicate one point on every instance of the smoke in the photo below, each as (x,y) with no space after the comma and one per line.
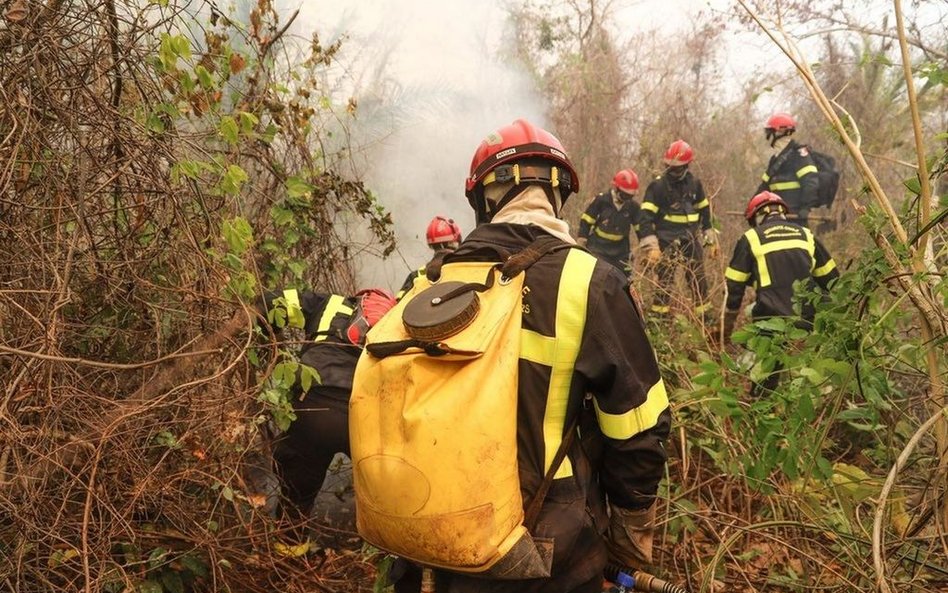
(430,82)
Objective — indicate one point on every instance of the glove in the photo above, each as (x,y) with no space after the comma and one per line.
(630,536)
(711,243)
(652,253)
(582,241)
(730,317)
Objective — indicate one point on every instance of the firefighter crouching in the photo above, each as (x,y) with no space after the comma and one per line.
(772,255)
(335,328)
(583,335)
(605,226)
(675,228)
(791,172)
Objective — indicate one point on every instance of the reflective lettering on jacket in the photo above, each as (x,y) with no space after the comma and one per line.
(771,257)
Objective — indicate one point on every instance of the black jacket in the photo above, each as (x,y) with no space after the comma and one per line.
(792,175)
(674,208)
(607,228)
(771,257)
(626,421)
(324,319)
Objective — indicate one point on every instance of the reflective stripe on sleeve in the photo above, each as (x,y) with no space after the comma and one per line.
(294,312)
(639,419)
(765,177)
(702,204)
(650,207)
(781,185)
(824,269)
(807,170)
(588,218)
(736,275)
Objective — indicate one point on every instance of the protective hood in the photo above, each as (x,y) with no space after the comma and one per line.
(532,207)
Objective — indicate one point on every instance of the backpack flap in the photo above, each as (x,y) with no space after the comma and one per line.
(433,438)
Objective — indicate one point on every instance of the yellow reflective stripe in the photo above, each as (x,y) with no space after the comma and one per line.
(650,207)
(608,236)
(661,308)
(571,301)
(682,218)
(824,269)
(294,312)
(588,218)
(537,348)
(636,420)
(335,306)
(702,204)
(762,272)
(736,275)
(765,177)
(785,185)
(806,170)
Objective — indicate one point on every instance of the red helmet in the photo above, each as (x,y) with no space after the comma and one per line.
(761,200)
(442,230)
(372,304)
(781,122)
(679,153)
(515,142)
(626,180)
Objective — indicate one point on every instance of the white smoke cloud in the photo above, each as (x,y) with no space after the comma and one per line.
(431,83)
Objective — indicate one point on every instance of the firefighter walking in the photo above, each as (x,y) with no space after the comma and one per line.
(605,226)
(675,228)
(771,256)
(791,172)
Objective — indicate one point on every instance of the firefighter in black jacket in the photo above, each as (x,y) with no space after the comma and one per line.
(582,334)
(443,236)
(675,228)
(335,328)
(605,225)
(791,172)
(772,255)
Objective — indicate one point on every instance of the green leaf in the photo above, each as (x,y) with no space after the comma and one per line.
(913,185)
(195,565)
(157,557)
(228,493)
(172,581)
(298,187)
(228,129)
(204,77)
(238,234)
(248,122)
(232,180)
(149,586)
(307,375)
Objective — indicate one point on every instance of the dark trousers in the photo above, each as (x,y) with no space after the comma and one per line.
(685,251)
(304,452)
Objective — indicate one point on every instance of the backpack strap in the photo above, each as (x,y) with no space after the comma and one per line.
(532,512)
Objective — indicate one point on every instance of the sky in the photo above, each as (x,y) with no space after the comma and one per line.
(444,88)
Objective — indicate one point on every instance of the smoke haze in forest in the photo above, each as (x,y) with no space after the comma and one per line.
(431,82)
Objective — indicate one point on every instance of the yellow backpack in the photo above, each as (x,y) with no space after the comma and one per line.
(433,424)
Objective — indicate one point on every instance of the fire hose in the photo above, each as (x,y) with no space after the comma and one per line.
(641,581)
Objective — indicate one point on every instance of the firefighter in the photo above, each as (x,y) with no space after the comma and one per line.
(443,236)
(675,228)
(791,172)
(335,328)
(582,335)
(772,255)
(605,225)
